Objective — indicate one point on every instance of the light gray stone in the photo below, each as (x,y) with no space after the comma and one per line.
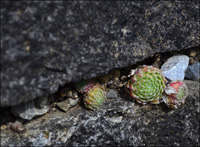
(111,94)
(28,110)
(64,105)
(73,102)
(174,68)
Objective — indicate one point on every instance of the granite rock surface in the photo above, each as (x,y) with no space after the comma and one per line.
(119,122)
(46,44)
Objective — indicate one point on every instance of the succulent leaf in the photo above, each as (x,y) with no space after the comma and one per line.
(147,85)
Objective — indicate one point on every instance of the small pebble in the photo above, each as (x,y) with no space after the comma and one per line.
(116,79)
(69,94)
(53,109)
(121,85)
(192,53)
(191,61)
(76,96)
(64,105)
(111,94)
(17,127)
(3,127)
(73,102)
(123,78)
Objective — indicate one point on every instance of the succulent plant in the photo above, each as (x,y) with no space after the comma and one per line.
(84,86)
(94,97)
(175,94)
(147,85)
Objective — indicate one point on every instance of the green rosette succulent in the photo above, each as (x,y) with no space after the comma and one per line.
(147,85)
(95,97)
(175,94)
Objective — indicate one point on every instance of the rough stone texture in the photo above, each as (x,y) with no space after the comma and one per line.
(119,122)
(47,44)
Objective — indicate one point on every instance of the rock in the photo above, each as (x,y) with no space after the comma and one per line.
(118,122)
(48,44)
(192,60)
(193,71)
(111,94)
(17,127)
(73,102)
(3,127)
(28,110)
(42,102)
(132,72)
(64,105)
(174,68)
(192,53)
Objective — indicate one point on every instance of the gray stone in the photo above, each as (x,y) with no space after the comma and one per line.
(174,68)
(64,105)
(17,127)
(28,110)
(193,71)
(111,94)
(73,102)
(48,44)
(119,122)
(68,103)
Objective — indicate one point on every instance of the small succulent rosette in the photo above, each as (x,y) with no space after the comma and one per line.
(84,86)
(147,85)
(95,97)
(175,94)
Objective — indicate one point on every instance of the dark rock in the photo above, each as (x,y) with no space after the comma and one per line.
(47,44)
(193,71)
(118,122)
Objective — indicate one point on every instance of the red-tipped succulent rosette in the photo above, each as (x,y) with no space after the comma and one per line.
(95,97)
(175,94)
(84,86)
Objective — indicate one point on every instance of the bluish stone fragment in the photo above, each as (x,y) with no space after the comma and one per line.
(174,68)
